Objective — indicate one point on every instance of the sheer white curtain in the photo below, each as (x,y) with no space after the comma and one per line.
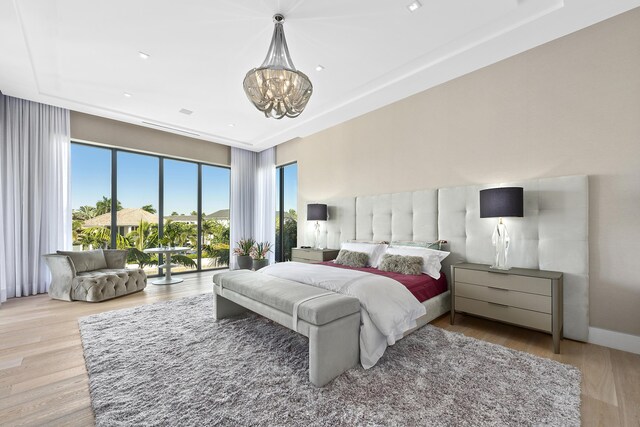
(35,205)
(252,202)
(264,220)
(242,199)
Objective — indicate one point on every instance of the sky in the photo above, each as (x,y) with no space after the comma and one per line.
(138,181)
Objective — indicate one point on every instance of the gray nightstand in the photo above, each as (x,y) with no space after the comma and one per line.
(313,255)
(520,296)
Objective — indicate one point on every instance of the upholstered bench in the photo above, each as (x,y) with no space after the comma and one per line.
(93,276)
(330,320)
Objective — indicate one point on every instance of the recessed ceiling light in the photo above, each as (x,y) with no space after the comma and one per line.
(127,95)
(185,111)
(413,6)
(231,125)
(143,55)
(319,68)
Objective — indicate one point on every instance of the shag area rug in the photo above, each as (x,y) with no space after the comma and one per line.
(170,363)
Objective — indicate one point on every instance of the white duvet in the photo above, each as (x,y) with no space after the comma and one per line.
(387,308)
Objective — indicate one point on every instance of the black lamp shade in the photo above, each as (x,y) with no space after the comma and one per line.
(501,202)
(316,212)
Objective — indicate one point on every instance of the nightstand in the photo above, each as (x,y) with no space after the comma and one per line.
(313,255)
(520,296)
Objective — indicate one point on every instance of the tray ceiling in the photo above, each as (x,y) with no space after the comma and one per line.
(84,55)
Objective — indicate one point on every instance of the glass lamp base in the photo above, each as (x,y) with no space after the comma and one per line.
(316,244)
(500,240)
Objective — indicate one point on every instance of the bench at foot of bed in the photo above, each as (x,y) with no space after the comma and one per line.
(330,320)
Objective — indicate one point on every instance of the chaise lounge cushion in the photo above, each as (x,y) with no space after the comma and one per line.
(103,284)
(282,295)
(86,260)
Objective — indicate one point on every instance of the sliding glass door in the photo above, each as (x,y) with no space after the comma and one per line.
(138,196)
(216,183)
(180,222)
(286,213)
(90,197)
(157,201)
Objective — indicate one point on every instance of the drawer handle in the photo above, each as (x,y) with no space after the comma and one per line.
(499,289)
(495,303)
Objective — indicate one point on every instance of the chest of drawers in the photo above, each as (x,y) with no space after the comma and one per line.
(523,297)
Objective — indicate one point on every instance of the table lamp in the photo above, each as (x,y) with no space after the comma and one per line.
(498,203)
(317,212)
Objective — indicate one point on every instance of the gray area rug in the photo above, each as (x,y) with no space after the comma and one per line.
(170,363)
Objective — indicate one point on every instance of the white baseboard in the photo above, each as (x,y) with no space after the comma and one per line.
(612,339)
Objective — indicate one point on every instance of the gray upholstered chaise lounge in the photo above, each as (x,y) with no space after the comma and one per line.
(93,276)
(330,320)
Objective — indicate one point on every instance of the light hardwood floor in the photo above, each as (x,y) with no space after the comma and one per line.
(43,380)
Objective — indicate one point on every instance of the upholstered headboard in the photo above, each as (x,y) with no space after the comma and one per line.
(411,216)
(552,235)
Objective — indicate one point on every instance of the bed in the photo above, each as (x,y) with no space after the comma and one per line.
(392,304)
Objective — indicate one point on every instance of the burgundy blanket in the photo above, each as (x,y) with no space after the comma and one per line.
(423,287)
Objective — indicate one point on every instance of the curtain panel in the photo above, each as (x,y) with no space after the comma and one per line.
(35,205)
(242,201)
(253,199)
(264,220)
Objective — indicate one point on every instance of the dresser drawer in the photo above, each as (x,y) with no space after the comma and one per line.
(517,316)
(533,285)
(535,302)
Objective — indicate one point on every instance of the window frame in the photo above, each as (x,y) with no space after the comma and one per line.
(161,158)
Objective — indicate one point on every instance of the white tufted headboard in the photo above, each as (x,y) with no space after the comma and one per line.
(552,235)
(411,216)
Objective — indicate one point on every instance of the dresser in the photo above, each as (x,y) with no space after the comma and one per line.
(313,255)
(519,296)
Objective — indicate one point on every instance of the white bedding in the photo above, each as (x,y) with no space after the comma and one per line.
(387,308)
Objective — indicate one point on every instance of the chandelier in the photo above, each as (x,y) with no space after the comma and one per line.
(276,88)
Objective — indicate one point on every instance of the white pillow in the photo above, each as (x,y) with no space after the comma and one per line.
(374,250)
(432,258)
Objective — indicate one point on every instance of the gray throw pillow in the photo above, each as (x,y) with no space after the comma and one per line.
(86,260)
(352,259)
(411,265)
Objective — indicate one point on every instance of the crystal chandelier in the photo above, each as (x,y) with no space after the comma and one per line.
(276,88)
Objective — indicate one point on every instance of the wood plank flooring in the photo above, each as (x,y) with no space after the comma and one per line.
(43,380)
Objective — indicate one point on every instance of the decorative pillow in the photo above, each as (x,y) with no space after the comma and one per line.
(431,258)
(374,250)
(402,264)
(86,260)
(352,259)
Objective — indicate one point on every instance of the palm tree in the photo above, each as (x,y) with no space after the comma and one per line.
(76,229)
(96,237)
(149,208)
(145,236)
(84,213)
(180,233)
(104,206)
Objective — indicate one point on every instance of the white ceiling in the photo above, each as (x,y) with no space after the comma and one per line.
(83,55)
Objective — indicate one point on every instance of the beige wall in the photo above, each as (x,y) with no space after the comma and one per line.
(99,130)
(569,107)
